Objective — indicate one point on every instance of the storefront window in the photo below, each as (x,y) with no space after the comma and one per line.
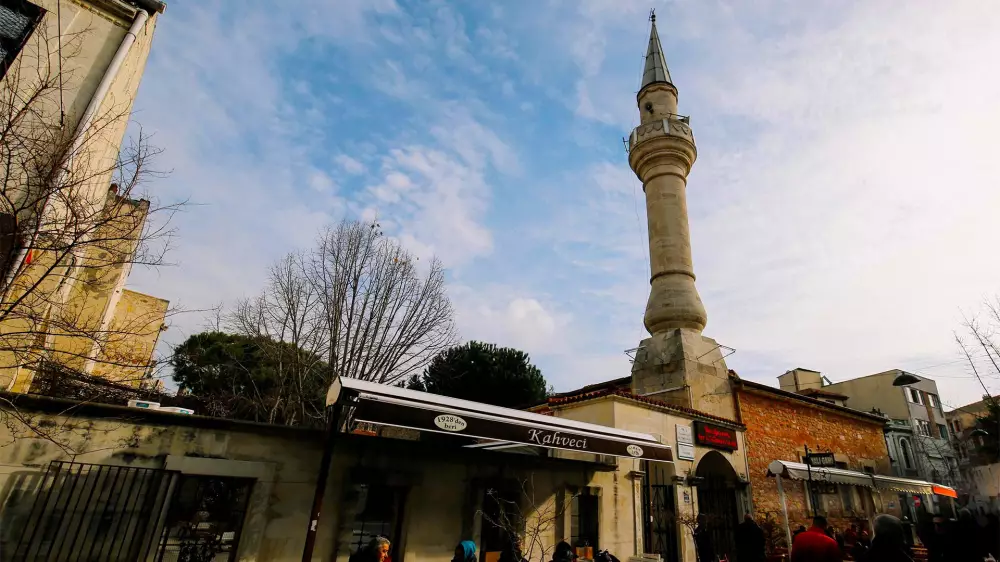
(377,513)
(584,522)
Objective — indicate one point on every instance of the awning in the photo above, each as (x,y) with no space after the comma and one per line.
(504,427)
(905,485)
(800,471)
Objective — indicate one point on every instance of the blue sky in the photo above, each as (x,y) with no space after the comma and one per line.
(842,206)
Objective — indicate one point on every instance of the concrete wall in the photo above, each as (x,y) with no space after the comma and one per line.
(874,391)
(445,486)
(779,428)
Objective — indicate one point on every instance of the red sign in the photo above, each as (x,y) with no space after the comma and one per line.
(715,436)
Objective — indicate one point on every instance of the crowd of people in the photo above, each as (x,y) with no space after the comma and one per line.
(377,550)
(961,540)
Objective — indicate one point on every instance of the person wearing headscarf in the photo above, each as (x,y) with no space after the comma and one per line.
(888,544)
(465,552)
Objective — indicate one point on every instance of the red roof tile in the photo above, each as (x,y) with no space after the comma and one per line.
(610,389)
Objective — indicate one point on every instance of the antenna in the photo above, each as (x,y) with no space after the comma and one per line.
(625,144)
(652,15)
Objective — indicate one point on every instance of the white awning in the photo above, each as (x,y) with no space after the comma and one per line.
(800,471)
(906,485)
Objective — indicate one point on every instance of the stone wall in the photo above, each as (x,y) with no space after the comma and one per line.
(778,428)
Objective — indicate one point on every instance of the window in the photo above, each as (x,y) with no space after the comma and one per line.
(956,426)
(18,19)
(847,497)
(942,431)
(923,427)
(932,399)
(376,512)
(904,447)
(914,396)
(584,520)
(869,469)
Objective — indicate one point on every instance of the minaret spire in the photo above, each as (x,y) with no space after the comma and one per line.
(656,65)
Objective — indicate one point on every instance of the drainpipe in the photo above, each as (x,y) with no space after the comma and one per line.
(85,122)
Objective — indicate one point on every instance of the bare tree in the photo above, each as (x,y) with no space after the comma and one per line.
(383,319)
(72,223)
(355,305)
(526,520)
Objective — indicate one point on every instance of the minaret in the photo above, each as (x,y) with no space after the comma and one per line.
(661,154)
(676,363)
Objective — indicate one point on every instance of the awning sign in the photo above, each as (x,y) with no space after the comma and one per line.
(485,427)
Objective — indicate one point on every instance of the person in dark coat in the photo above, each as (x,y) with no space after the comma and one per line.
(563,553)
(966,544)
(703,543)
(377,550)
(512,551)
(889,544)
(749,541)
(814,546)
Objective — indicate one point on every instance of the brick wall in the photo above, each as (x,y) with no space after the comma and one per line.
(778,428)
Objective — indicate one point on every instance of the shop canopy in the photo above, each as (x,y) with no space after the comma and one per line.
(800,471)
(491,427)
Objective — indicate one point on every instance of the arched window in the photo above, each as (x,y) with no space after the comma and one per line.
(904,447)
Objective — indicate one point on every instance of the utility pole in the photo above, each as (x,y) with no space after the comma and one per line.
(812,495)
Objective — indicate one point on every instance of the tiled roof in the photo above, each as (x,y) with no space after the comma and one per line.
(821,392)
(610,388)
(759,387)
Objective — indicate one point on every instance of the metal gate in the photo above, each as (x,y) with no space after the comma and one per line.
(658,513)
(88,512)
(717,500)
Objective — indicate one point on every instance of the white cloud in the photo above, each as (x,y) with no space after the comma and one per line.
(349,165)
(506,317)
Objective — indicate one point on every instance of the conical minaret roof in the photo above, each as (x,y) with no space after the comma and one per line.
(656,65)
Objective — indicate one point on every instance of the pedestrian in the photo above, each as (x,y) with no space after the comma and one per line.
(967,542)
(814,546)
(703,544)
(889,544)
(512,551)
(377,550)
(851,536)
(563,553)
(465,552)
(800,529)
(749,541)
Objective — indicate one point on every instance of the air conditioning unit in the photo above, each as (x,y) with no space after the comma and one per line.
(176,410)
(143,404)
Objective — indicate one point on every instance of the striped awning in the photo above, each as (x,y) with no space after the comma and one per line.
(800,471)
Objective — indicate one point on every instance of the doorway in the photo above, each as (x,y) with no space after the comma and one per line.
(659,512)
(718,487)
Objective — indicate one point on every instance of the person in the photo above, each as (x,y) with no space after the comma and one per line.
(991,535)
(851,536)
(814,546)
(703,540)
(800,529)
(563,553)
(749,541)
(377,550)
(465,552)
(512,551)
(889,544)
(966,539)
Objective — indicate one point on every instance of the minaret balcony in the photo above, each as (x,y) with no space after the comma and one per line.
(675,126)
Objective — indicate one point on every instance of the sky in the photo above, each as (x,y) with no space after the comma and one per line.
(842,206)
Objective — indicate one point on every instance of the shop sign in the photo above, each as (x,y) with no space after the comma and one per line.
(684,434)
(715,436)
(400,415)
(687,497)
(821,459)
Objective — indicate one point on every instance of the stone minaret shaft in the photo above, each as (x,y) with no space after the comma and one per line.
(661,152)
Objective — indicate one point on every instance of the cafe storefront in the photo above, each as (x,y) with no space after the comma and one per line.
(428,471)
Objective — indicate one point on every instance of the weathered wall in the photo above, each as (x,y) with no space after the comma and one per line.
(135,328)
(874,391)
(778,429)
(445,486)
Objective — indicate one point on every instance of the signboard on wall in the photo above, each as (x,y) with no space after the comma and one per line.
(685,442)
(821,459)
(715,436)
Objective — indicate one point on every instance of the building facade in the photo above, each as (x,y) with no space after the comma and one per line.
(781,425)
(979,485)
(66,241)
